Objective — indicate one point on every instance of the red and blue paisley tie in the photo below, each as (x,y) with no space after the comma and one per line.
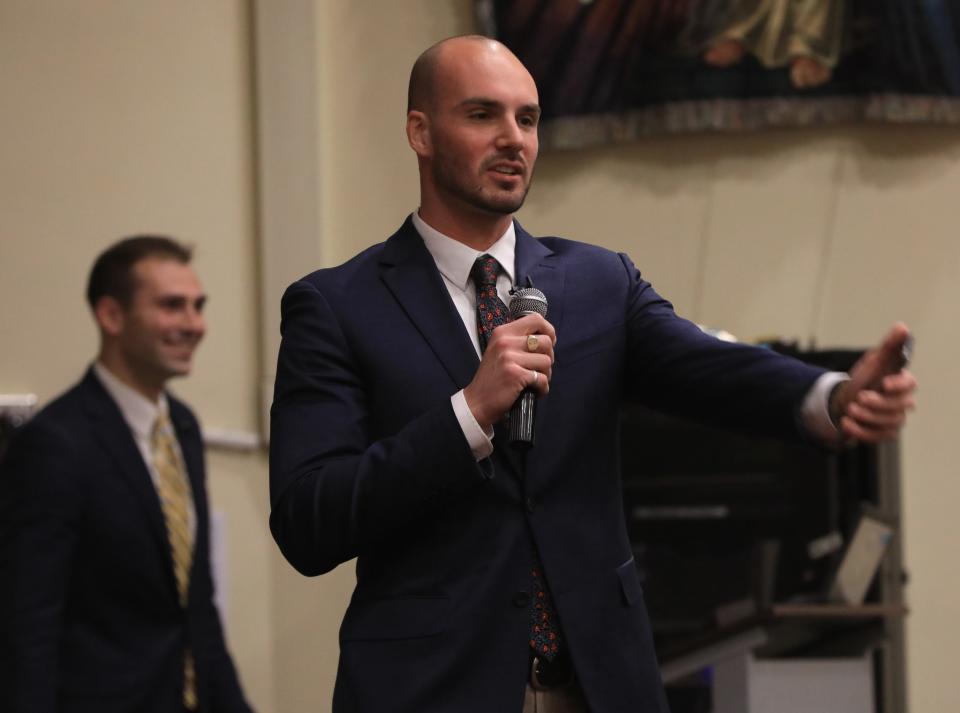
(491,313)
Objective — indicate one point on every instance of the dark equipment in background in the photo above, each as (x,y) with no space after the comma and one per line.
(725,526)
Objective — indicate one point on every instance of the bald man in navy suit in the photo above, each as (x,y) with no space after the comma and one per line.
(491,577)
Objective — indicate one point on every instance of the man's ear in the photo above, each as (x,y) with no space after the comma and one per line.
(418,133)
(110,315)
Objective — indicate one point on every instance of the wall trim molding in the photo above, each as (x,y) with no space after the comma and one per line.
(287,167)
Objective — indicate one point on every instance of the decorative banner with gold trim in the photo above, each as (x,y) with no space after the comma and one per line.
(614,70)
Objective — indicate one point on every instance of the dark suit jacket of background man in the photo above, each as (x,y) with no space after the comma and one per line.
(368,461)
(90,614)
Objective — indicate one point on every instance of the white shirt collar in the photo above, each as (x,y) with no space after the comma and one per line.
(138,411)
(455,260)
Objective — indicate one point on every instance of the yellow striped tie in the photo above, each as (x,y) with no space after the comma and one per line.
(175,499)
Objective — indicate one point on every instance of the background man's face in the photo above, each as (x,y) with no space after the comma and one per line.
(483,129)
(164,323)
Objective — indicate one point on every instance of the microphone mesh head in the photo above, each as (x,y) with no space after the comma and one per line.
(527,300)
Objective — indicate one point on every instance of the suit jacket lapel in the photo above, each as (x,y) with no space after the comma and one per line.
(117,440)
(409,272)
(536,261)
(191,446)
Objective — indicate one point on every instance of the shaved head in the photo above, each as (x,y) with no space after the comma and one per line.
(472,121)
(421,91)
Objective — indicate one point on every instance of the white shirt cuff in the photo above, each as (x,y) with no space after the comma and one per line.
(815,412)
(480,441)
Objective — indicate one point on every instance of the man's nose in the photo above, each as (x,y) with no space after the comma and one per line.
(511,135)
(194,322)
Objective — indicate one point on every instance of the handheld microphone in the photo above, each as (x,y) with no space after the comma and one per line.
(524,301)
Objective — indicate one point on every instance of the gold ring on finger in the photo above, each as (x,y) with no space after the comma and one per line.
(533,344)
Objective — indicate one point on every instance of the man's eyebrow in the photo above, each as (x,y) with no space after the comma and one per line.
(488,103)
(480,101)
(180,297)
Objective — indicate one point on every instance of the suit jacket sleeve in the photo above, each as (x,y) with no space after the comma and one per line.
(334,489)
(673,366)
(40,506)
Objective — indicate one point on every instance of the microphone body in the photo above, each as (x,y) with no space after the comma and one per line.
(524,301)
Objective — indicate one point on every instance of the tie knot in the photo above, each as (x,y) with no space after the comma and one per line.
(161,426)
(485,270)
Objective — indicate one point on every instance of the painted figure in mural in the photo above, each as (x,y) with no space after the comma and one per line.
(804,35)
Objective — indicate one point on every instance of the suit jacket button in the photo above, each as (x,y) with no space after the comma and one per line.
(529,504)
(521,599)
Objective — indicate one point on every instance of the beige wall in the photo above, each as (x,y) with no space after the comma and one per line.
(134,116)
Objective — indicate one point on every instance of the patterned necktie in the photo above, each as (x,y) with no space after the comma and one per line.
(491,313)
(175,500)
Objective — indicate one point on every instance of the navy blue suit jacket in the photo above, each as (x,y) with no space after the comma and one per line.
(367,460)
(89,613)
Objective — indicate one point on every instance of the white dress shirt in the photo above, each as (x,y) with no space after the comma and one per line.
(454,260)
(140,414)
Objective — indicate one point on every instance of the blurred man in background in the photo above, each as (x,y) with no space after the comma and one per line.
(107,597)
